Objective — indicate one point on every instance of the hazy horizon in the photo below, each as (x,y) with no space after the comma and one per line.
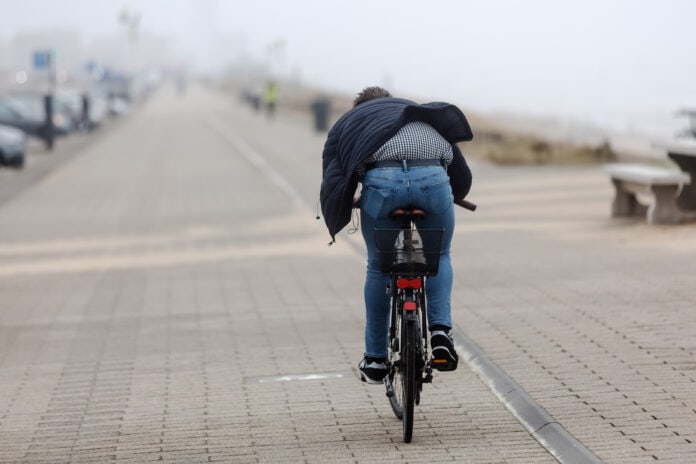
(625,64)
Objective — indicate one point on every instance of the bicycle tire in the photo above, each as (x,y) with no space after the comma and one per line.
(397,398)
(395,385)
(409,373)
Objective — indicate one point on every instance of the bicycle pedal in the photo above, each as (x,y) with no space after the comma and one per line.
(443,364)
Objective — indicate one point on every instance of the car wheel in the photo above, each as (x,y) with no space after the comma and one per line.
(16,163)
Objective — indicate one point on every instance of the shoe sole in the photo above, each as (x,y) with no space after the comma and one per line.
(370,381)
(443,360)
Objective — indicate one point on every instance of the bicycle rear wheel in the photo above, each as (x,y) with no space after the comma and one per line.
(395,389)
(396,399)
(408,375)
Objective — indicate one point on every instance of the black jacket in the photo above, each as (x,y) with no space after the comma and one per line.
(363,130)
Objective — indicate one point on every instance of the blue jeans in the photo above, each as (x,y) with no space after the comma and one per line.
(385,189)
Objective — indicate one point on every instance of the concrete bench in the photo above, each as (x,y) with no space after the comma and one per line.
(660,183)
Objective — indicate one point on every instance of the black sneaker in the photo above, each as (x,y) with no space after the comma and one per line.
(373,370)
(444,355)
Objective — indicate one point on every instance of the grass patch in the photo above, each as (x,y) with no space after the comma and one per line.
(519,149)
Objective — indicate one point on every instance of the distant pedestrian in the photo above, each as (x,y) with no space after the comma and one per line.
(270,96)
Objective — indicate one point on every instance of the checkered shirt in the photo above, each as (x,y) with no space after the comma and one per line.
(415,141)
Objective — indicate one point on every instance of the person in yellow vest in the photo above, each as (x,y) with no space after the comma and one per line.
(270,96)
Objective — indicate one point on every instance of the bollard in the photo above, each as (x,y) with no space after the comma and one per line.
(86,123)
(321,109)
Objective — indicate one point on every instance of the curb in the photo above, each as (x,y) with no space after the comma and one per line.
(540,424)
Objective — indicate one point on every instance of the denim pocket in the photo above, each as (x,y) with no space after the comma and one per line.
(438,197)
(376,202)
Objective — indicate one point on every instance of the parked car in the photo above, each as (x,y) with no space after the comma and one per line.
(98,109)
(118,106)
(22,117)
(13,146)
(63,119)
(70,103)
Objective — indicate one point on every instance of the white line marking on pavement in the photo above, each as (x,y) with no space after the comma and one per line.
(143,260)
(259,162)
(297,377)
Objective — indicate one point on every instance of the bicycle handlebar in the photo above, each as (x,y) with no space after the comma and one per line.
(466,204)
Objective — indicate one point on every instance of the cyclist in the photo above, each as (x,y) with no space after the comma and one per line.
(404,154)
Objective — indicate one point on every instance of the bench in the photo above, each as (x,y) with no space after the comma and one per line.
(691,114)
(661,183)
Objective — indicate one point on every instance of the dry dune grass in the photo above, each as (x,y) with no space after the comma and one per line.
(507,147)
(494,142)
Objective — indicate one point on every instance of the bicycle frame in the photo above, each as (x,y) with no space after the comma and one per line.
(408,263)
(408,271)
(418,315)
(400,296)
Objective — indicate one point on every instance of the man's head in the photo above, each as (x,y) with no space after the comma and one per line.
(370,93)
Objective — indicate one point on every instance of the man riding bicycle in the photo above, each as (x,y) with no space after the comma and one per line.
(405,155)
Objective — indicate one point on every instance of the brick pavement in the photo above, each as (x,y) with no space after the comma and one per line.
(592,316)
(146,287)
(139,280)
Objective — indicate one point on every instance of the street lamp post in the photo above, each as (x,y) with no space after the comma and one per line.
(131,22)
(275,52)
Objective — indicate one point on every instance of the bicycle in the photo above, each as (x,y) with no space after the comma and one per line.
(409,255)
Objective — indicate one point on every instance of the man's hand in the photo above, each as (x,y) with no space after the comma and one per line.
(356,200)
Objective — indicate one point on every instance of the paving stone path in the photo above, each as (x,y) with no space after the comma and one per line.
(165,297)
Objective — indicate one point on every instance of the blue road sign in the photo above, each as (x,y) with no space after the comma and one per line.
(42,59)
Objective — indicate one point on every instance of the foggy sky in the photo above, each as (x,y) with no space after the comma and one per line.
(619,61)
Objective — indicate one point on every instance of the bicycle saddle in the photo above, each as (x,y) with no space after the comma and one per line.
(404,213)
